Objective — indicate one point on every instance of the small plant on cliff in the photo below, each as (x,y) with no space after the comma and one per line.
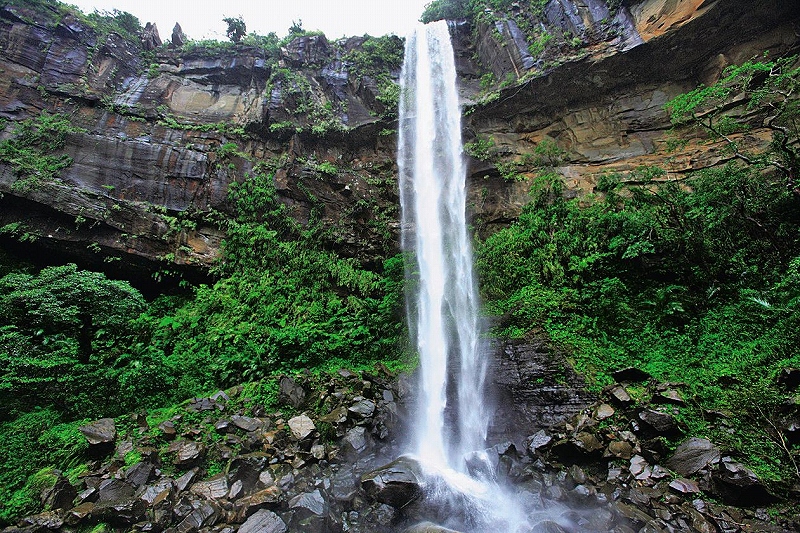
(30,149)
(770,92)
(236,28)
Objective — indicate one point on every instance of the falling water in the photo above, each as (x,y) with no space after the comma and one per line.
(443,308)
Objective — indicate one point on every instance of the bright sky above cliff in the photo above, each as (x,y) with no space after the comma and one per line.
(202,19)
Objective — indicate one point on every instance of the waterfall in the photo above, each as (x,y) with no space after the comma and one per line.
(457,473)
(442,301)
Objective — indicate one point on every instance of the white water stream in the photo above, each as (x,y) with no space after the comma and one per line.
(443,310)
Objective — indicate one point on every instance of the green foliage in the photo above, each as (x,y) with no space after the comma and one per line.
(446,9)
(29,149)
(58,331)
(379,58)
(376,56)
(283,303)
(120,22)
(693,282)
(481,148)
(537,47)
(236,28)
(33,444)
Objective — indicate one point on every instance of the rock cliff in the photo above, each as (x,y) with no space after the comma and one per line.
(160,134)
(602,104)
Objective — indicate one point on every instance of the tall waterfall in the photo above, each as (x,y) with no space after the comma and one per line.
(443,305)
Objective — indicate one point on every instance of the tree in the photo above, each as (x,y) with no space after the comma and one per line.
(63,303)
(236,28)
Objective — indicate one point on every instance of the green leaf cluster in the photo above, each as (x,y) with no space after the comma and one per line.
(29,150)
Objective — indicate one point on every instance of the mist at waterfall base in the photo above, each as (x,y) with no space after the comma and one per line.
(450,417)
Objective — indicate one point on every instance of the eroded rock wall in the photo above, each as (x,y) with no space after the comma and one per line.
(160,137)
(605,109)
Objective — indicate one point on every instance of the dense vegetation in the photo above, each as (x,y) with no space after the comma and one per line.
(76,345)
(693,280)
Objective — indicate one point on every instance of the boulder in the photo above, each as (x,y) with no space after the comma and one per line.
(246,423)
(204,515)
(263,521)
(538,441)
(630,375)
(301,426)
(212,489)
(620,396)
(619,448)
(661,423)
(362,408)
(396,484)
(738,485)
(309,503)
(604,411)
(684,486)
(60,495)
(693,455)
(100,432)
(178,37)
(291,393)
(150,38)
(140,473)
(187,452)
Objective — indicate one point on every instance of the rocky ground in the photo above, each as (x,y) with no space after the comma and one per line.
(329,461)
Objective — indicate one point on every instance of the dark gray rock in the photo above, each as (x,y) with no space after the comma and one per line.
(684,486)
(60,495)
(620,396)
(187,452)
(102,431)
(630,375)
(140,473)
(168,429)
(309,503)
(114,489)
(356,442)
(738,485)
(538,441)
(692,456)
(247,469)
(344,485)
(204,515)
(291,393)
(150,37)
(363,408)
(662,424)
(396,484)
(178,37)
(534,388)
(246,423)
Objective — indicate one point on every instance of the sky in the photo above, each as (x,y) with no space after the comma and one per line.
(202,19)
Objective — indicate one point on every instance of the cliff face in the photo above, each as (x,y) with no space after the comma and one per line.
(159,136)
(603,107)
